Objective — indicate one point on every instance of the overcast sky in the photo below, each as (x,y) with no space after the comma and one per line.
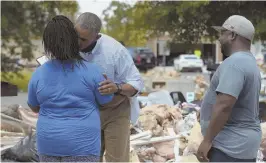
(97,6)
(94,6)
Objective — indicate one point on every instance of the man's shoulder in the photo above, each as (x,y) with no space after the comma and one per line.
(240,60)
(111,47)
(240,57)
(110,40)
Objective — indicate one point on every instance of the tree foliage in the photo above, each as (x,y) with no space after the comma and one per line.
(120,18)
(22,21)
(185,21)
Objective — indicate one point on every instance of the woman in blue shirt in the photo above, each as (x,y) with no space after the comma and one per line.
(64,91)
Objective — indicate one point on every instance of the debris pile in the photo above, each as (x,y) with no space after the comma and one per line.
(161,73)
(263,141)
(201,87)
(164,134)
(157,118)
(17,134)
(194,140)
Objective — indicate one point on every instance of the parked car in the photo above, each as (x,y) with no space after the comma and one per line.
(188,62)
(143,57)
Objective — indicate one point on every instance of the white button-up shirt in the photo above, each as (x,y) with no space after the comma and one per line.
(119,67)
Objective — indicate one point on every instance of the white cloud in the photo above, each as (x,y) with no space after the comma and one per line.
(98,6)
(95,6)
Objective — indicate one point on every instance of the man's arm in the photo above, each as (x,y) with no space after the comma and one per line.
(129,74)
(221,112)
(126,72)
(231,83)
(128,90)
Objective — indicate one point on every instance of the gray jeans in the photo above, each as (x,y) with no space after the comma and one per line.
(89,158)
(216,155)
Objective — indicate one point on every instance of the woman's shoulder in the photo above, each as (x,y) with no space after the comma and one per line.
(92,67)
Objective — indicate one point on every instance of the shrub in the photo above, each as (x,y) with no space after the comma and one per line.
(21,79)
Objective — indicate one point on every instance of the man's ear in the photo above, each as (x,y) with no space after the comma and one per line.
(98,36)
(234,35)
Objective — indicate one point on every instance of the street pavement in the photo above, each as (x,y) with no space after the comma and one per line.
(21,99)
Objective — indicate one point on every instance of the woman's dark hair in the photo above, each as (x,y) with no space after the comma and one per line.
(60,40)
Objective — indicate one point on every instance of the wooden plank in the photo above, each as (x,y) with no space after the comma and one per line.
(139,135)
(154,140)
(9,119)
(28,117)
(6,133)
(24,126)
(177,144)
(10,140)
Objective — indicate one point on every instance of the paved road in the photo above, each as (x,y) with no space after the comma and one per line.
(21,99)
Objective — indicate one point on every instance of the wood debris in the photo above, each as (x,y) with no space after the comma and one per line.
(167,141)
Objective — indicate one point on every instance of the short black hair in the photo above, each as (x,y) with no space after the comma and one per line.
(60,40)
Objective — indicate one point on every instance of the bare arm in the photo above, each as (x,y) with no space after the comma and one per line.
(128,90)
(35,109)
(221,112)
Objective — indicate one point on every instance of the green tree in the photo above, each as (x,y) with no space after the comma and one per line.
(22,21)
(122,25)
(185,21)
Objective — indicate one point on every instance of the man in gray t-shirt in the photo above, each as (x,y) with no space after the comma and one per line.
(229,114)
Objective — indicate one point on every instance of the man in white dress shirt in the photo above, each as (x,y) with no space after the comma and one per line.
(123,79)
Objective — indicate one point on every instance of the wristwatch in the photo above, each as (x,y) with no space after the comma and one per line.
(119,88)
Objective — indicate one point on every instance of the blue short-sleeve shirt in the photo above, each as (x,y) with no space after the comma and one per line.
(69,120)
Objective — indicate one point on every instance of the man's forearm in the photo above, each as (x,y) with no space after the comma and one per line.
(128,90)
(219,118)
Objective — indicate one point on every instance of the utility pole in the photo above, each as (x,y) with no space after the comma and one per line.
(163,51)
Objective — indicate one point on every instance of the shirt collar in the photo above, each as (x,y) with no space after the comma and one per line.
(97,46)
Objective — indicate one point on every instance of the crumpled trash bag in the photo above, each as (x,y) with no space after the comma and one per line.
(188,108)
(24,151)
(184,126)
(11,110)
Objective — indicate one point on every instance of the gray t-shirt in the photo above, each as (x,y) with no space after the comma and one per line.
(238,76)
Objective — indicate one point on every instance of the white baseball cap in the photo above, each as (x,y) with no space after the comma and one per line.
(239,25)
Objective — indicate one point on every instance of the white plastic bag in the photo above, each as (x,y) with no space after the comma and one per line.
(161,97)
